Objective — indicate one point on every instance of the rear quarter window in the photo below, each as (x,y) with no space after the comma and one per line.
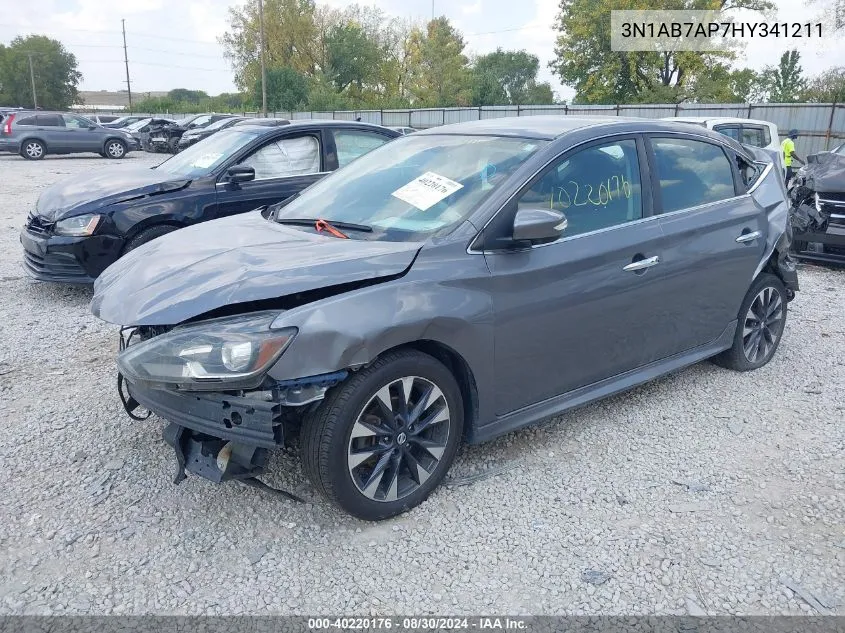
(30,120)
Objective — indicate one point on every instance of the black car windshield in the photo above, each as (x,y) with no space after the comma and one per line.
(134,127)
(414,186)
(201,159)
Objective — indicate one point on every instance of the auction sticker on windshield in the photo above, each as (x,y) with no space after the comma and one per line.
(427,190)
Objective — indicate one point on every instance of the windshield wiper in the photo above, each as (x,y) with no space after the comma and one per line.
(324,225)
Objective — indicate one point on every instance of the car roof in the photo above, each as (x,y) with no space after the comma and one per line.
(298,123)
(552,127)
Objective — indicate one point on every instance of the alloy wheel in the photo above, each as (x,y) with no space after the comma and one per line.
(34,150)
(762,325)
(398,439)
(115,150)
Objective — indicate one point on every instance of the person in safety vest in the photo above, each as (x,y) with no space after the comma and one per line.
(788,147)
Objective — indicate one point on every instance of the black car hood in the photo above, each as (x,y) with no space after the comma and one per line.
(76,195)
(234,260)
(825,172)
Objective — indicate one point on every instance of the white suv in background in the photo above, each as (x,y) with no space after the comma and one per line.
(753,132)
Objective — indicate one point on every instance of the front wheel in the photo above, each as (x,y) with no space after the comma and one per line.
(115,149)
(760,325)
(384,439)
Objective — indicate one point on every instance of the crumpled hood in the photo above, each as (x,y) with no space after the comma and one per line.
(825,172)
(233,260)
(76,195)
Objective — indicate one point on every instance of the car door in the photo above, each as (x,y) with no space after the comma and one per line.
(284,166)
(51,127)
(585,307)
(80,136)
(715,236)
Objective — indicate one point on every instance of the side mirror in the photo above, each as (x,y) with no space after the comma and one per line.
(240,173)
(92,127)
(538,225)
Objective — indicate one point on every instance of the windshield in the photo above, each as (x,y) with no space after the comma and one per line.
(201,159)
(218,124)
(413,186)
(134,127)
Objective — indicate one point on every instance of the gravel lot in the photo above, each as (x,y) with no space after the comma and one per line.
(708,491)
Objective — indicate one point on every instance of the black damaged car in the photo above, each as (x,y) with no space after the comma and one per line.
(817,194)
(82,225)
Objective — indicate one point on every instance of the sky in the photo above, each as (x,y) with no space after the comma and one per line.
(173,44)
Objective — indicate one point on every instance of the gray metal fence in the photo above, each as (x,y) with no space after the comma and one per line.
(821,126)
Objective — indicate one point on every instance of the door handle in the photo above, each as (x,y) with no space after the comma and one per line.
(748,237)
(642,264)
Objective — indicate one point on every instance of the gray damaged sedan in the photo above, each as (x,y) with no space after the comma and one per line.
(453,285)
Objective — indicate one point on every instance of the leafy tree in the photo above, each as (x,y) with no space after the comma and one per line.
(785,82)
(191,96)
(440,69)
(54,67)
(508,77)
(723,85)
(286,89)
(584,59)
(352,56)
(292,38)
(828,87)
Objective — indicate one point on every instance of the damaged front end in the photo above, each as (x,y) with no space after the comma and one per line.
(817,197)
(221,427)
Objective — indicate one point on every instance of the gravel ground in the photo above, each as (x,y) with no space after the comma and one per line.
(708,491)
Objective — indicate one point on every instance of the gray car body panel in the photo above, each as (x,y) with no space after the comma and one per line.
(526,323)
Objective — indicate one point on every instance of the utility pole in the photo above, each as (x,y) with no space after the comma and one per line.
(32,78)
(263,66)
(126,62)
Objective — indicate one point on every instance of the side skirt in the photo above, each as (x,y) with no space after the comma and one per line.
(602,389)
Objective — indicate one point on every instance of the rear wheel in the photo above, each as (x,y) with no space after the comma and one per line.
(760,326)
(33,150)
(148,235)
(115,149)
(385,438)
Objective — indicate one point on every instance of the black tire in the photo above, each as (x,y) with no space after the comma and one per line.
(327,441)
(148,235)
(33,149)
(768,296)
(114,149)
(173,145)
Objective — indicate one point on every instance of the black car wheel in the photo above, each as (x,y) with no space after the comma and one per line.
(761,322)
(33,150)
(115,149)
(148,235)
(384,439)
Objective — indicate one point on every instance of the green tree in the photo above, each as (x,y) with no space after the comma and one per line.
(723,85)
(287,89)
(441,75)
(55,70)
(293,39)
(828,87)
(585,61)
(352,56)
(190,96)
(785,82)
(508,77)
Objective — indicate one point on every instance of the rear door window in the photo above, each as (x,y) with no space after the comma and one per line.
(729,130)
(354,143)
(50,120)
(691,173)
(753,135)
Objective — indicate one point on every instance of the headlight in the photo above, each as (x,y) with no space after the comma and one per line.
(818,202)
(227,353)
(79,226)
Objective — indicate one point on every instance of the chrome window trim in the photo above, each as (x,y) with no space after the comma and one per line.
(766,170)
(473,251)
(312,173)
